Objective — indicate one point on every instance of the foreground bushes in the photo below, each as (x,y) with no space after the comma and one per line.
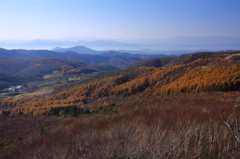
(180,126)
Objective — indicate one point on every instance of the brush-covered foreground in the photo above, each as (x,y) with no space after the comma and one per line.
(176,126)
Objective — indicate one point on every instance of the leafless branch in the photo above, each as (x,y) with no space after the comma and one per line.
(233,129)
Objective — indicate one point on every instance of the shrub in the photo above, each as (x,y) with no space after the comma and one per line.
(41,130)
(108,109)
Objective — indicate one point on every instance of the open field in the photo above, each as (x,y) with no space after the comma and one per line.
(75,78)
(55,74)
(5,95)
(38,92)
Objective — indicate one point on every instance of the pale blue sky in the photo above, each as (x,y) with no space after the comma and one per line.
(118,19)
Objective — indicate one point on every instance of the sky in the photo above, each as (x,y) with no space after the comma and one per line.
(118,19)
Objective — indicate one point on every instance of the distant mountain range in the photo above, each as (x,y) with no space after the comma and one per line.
(77,49)
(114,58)
(48,44)
(85,50)
(187,40)
(175,43)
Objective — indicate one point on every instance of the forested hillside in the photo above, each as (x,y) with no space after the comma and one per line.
(38,67)
(105,66)
(202,75)
(185,111)
(183,59)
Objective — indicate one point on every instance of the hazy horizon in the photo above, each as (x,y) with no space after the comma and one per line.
(211,43)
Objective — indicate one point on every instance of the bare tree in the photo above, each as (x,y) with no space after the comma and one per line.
(232,124)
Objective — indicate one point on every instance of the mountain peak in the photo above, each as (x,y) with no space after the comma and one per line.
(77,49)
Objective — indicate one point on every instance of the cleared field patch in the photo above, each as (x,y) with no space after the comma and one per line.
(5,95)
(38,92)
(75,78)
(55,74)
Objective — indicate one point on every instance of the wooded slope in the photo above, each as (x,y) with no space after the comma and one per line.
(212,74)
(183,59)
(38,67)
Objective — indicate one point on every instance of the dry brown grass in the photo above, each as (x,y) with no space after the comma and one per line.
(180,126)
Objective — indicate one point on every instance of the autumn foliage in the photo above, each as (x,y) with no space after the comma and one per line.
(202,75)
(184,111)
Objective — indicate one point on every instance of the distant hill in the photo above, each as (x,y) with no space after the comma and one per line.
(105,66)
(140,55)
(28,54)
(116,59)
(77,49)
(183,59)
(34,68)
(144,53)
(162,52)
